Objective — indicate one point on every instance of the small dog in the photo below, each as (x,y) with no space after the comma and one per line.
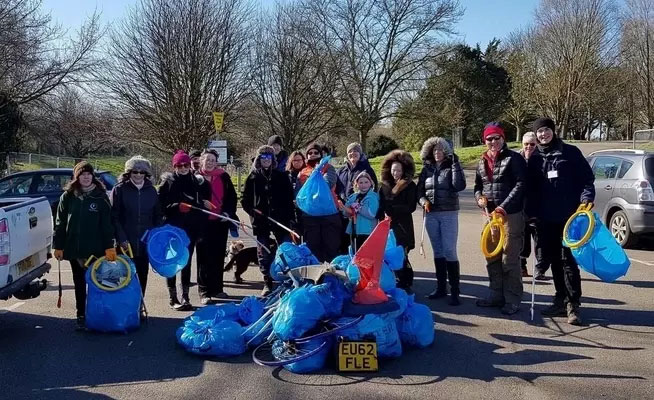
(241,256)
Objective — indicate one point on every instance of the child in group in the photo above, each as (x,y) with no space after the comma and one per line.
(361,207)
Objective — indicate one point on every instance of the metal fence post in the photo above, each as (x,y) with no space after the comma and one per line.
(29,158)
(58,162)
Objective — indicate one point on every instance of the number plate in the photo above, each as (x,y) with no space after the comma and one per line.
(357,356)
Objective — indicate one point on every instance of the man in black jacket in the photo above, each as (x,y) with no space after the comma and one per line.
(500,188)
(559,180)
(268,193)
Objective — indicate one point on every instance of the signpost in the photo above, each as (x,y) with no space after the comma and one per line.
(221,148)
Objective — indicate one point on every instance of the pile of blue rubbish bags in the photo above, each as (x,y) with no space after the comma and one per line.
(225,330)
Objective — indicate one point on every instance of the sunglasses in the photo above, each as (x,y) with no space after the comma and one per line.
(529,144)
(493,139)
(266,156)
(313,153)
(138,172)
(185,165)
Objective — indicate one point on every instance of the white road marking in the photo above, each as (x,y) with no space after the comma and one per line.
(11,307)
(642,262)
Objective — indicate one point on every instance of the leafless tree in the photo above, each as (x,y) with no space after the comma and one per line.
(378,47)
(71,123)
(293,84)
(36,56)
(638,48)
(172,63)
(572,41)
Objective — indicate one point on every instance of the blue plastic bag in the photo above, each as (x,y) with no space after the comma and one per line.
(380,327)
(341,262)
(401,298)
(393,254)
(250,310)
(222,338)
(312,363)
(295,256)
(117,310)
(167,250)
(601,256)
(331,293)
(298,312)
(229,311)
(315,197)
(256,333)
(416,325)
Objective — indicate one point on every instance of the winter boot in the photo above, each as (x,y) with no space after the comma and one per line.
(557,309)
(441,279)
(573,314)
(523,266)
(454,275)
(174,301)
(267,286)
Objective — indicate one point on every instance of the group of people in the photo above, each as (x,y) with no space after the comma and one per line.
(533,192)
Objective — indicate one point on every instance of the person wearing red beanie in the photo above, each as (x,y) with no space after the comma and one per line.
(500,185)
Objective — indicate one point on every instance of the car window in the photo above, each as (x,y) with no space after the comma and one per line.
(108,180)
(606,167)
(15,186)
(624,168)
(48,183)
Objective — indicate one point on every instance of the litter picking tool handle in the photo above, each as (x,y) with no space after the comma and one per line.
(279,224)
(129,253)
(533,279)
(237,223)
(60,289)
(287,270)
(422,234)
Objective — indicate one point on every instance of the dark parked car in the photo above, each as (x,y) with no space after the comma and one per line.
(45,182)
(624,198)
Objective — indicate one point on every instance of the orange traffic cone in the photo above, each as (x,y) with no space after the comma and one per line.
(369,260)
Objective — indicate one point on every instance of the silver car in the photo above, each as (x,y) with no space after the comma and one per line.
(624,198)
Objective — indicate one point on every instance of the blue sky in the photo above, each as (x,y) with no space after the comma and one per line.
(483,19)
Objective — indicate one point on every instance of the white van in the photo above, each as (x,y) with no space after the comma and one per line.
(25,246)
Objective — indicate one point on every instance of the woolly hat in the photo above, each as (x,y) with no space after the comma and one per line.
(314,146)
(81,167)
(543,123)
(181,157)
(275,139)
(363,174)
(493,128)
(195,153)
(354,147)
(138,163)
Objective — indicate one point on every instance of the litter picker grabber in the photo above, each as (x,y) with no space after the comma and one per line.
(422,234)
(294,235)
(60,289)
(233,221)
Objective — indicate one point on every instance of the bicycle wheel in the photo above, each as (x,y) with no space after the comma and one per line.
(277,353)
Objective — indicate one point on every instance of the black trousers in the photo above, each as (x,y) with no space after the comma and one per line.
(323,236)
(142,264)
(186,271)
(565,271)
(266,259)
(404,275)
(532,232)
(211,248)
(79,281)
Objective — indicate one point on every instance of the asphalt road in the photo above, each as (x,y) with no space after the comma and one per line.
(477,353)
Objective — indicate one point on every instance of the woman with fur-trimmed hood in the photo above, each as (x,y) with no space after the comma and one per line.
(397,195)
(268,193)
(439,185)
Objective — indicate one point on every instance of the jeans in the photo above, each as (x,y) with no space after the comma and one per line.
(565,271)
(504,272)
(443,230)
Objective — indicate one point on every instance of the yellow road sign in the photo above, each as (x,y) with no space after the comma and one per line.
(218,118)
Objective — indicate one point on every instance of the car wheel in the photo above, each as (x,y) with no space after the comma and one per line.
(620,229)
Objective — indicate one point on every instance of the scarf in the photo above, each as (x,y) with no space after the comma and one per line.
(85,191)
(217,189)
(391,192)
(552,145)
(139,186)
(489,164)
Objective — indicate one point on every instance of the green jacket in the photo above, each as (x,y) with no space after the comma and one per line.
(83,225)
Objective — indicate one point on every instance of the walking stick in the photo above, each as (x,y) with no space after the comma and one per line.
(60,290)
(422,235)
(533,280)
(237,223)
(294,234)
